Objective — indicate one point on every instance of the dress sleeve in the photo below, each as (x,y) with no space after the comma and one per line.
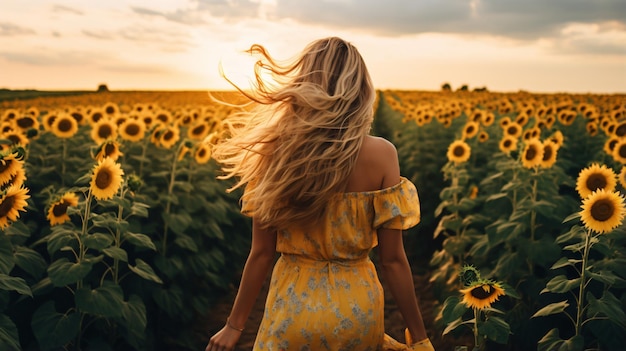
(397,207)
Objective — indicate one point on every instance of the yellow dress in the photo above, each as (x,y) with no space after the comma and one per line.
(324,292)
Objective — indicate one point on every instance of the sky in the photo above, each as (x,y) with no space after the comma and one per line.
(542,46)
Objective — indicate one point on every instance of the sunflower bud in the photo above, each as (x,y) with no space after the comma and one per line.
(134,182)
(469,275)
(19,152)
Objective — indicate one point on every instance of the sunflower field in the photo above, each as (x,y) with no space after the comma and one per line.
(115,232)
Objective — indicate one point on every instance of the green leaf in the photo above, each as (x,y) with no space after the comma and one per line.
(453,309)
(98,241)
(606,277)
(138,240)
(9,337)
(169,300)
(186,242)
(30,261)
(14,284)
(553,308)
(563,262)
(608,305)
(60,238)
(116,253)
(106,301)
(139,209)
(62,272)
(455,324)
(561,284)
(134,321)
(496,329)
(144,270)
(52,329)
(178,222)
(6,255)
(553,342)
(509,291)
(496,197)
(575,215)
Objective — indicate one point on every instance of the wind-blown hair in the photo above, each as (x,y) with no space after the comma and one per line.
(297,146)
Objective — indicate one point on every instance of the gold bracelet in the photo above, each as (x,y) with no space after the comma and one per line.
(233,327)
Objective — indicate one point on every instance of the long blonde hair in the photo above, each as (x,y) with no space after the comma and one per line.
(297,146)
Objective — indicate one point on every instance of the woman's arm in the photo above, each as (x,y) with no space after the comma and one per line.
(397,274)
(260,261)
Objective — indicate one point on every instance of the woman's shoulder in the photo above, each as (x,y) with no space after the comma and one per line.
(379,147)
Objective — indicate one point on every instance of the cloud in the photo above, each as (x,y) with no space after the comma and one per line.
(165,40)
(190,17)
(61,8)
(10,29)
(48,58)
(528,19)
(102,35)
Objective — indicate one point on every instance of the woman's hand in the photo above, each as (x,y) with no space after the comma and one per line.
(224,340)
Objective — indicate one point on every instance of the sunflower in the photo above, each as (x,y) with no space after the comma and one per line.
(10,114)
(513,129)
(11,202)
(9,167)
(622,177)
(458,151)
(203,153)
(169,136)
(508,144)
(132,130)
(549,153)
(592,128)
(619,151)
(95,115)
(57,213)
(532,154)
(106,179)
(602,211)
(109,148)
(483,136)
(111,109)
(521,119)
(488,119)
(198,131)
(102,130)
(47,120)
(557,137)
(566,117)
(64,126)
(163,116)
(79,116)
(470,130)
(16,137)
(595,177)
(26,122)
(17,180)
(482,294)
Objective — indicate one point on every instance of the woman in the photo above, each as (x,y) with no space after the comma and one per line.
(323,193)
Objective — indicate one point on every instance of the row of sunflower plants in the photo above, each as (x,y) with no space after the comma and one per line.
(125,234)
(511,181)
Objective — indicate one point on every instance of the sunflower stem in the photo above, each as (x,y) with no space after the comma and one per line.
(144,146)
(533,217)
(168,204)
(63,162)
(116,262)
(583,278)
(83,234)
(476,339)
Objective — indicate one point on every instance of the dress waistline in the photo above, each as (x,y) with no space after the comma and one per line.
(321,262)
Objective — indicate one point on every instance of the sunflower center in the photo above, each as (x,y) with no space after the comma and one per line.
(511,130)
(531,153)
(77,116)
(480,293)
(103,179)
(65,125)
(25,122)
(60,209)
(4,165)
(198,130)
(602,210)
(470,129)
(109,110)
(109,149)
(458,151)
(202,152)
(596,181)
(96,116)
(105,131)
(15,139)
(622,151)
(169,135)
(507,143)
(6,206)
(132,129)
(547,153)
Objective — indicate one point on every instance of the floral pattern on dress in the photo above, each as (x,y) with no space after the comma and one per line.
(324,291)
